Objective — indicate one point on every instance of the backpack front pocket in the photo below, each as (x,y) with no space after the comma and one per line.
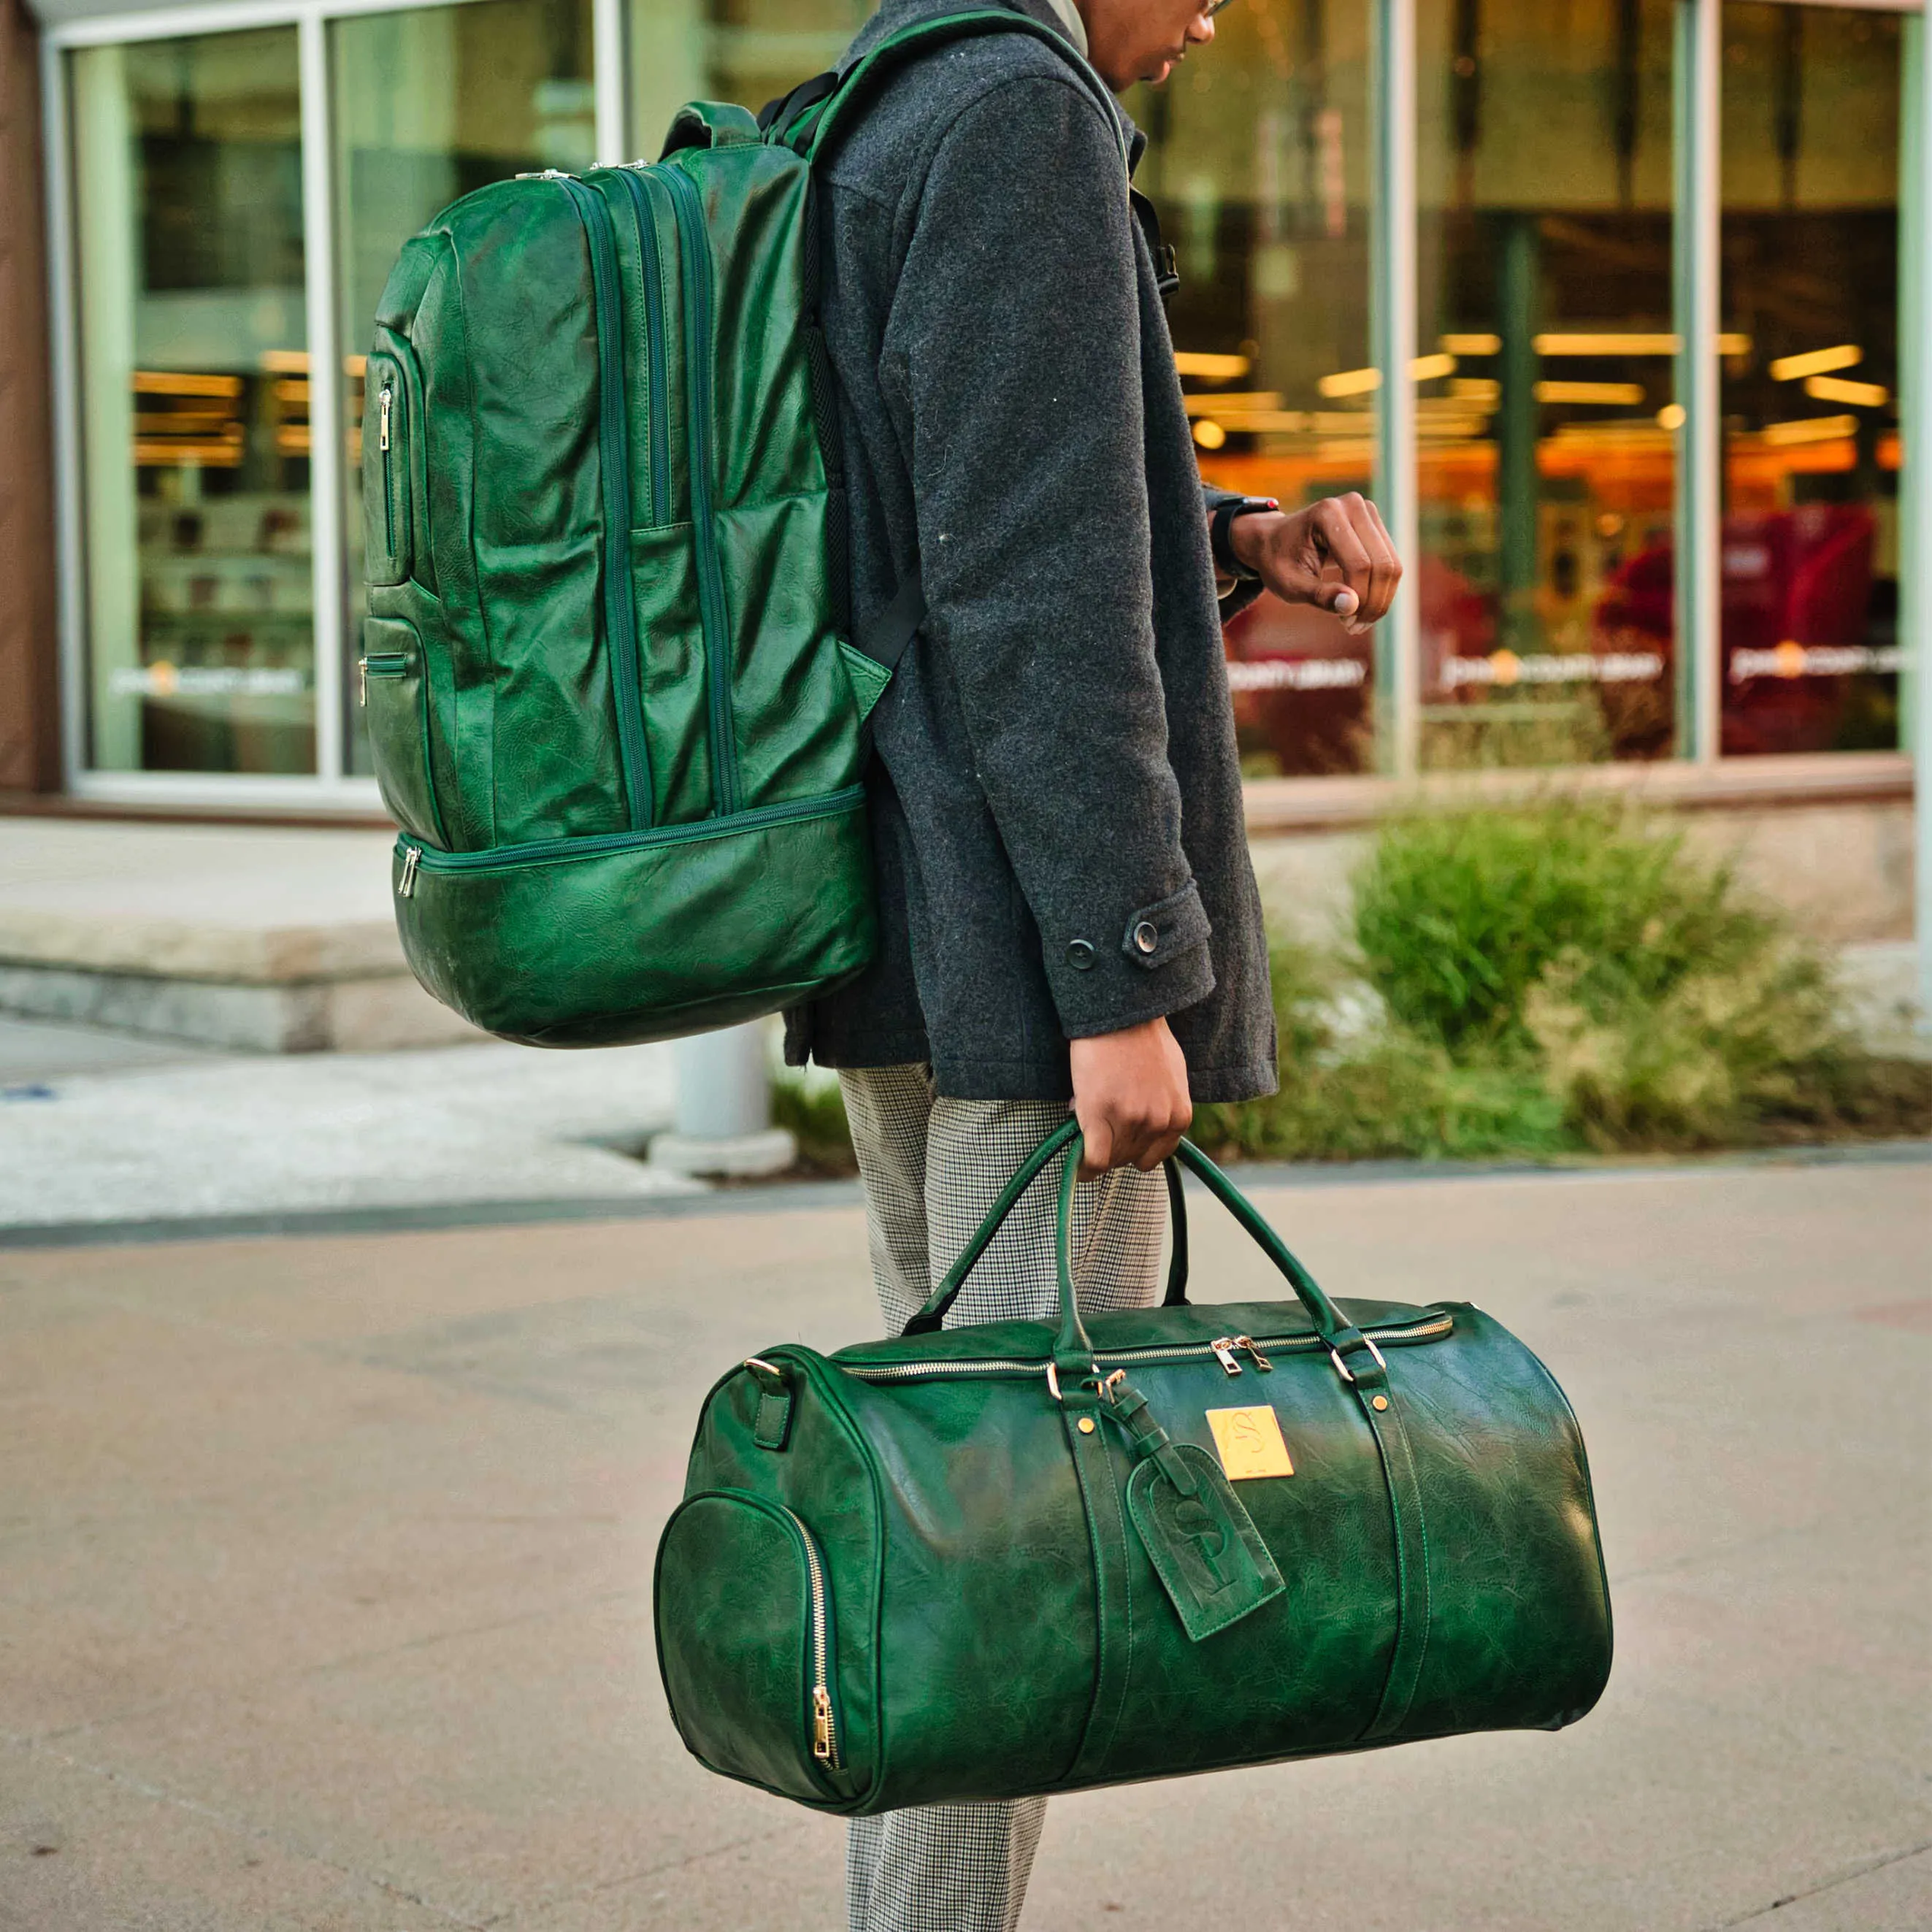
(394,689)
(388,548)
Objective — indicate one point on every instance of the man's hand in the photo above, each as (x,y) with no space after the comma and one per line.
(1130,1097)
(1336,555)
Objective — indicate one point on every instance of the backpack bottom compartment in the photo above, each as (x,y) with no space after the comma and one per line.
(613,941)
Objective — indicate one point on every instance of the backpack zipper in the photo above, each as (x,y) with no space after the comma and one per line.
(1175,1351)
(613,443)
(378,663)
(386,402)
(598,845)
(654,299)
(696,257)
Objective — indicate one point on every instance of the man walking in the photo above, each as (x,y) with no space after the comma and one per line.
(1067,909)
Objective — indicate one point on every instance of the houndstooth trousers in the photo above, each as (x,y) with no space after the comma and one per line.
(931,1168)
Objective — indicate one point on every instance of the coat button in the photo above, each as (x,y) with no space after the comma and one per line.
(1080,955)
(1147,935)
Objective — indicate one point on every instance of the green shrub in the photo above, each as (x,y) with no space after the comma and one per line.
(814,1109)
(1561,978)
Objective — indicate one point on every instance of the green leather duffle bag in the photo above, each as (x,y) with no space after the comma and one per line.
(1022,1557)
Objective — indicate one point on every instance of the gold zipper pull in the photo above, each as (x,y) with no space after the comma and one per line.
(1224,1353)
(362,682)
(1261,1362)
(406,887)
(821,1723)
(388,400)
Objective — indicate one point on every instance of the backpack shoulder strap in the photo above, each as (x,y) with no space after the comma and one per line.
(812,115)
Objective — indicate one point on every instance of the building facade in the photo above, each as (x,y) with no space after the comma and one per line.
(1617,306)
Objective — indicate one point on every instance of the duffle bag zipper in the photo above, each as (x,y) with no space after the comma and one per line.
(1221,1351)
(602,844)
(824,1717)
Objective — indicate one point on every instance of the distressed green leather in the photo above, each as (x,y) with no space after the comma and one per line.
(911,1573)
(610,702)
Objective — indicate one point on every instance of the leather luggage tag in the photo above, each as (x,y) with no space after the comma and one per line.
(1250,1444)
(1203,1544)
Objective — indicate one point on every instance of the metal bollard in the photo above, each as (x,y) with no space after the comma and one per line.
(723,1119)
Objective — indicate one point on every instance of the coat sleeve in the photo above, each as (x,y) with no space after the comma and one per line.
(1014,338)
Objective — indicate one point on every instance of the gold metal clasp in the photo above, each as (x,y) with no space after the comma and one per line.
(821,1723)
(387,398)
(1223,1346)
(1261,1361)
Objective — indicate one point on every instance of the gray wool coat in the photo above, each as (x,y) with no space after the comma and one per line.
(1056,798)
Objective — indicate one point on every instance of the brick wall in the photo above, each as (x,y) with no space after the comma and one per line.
(29,700)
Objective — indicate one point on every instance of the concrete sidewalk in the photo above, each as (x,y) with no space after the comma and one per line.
(146,1131)
(327,1583)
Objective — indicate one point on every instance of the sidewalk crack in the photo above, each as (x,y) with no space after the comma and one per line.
(1762,1912)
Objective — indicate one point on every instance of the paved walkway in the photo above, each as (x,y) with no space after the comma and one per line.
(324,1582)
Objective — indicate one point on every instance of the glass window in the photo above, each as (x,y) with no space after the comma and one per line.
(1811,441)
(187,191)
(1547,483)
(431,104)
(749,51)
(1258,161)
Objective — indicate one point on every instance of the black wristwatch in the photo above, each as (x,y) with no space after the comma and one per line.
(1221,536)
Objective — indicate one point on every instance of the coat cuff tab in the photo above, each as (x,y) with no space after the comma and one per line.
(1162,931)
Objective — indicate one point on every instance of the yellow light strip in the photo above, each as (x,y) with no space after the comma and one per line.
(1232,399)
(1606,343)
(1816,362)
(1366,382)
(285,362)
(1620,395)
(181,382)
(174,455)
(1203,366)
(1836,389)
(1614,342)
(1350,382)
(1470,345)
(1810,429)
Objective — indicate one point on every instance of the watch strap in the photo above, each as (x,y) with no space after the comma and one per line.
(1220,533)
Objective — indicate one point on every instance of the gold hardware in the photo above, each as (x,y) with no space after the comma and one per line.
(1249,1442)
(1223,1347)
(821,1723)
(759,1366)
(405,887)
(387,398)
(1380,1401)
(362,682)
(1053,1380)
(1085,1425)
(1112,1382)
(1261,1362)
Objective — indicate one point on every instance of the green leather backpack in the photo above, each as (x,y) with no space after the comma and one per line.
(611,694)
(1026,1557)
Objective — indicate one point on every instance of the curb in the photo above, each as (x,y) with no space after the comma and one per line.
(788,1197)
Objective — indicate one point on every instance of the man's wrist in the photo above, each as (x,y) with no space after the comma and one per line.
(1249,535)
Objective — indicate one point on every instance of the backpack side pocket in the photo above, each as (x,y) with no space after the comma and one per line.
(394,688)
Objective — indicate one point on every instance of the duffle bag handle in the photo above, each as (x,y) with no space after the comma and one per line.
(1334,1328)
